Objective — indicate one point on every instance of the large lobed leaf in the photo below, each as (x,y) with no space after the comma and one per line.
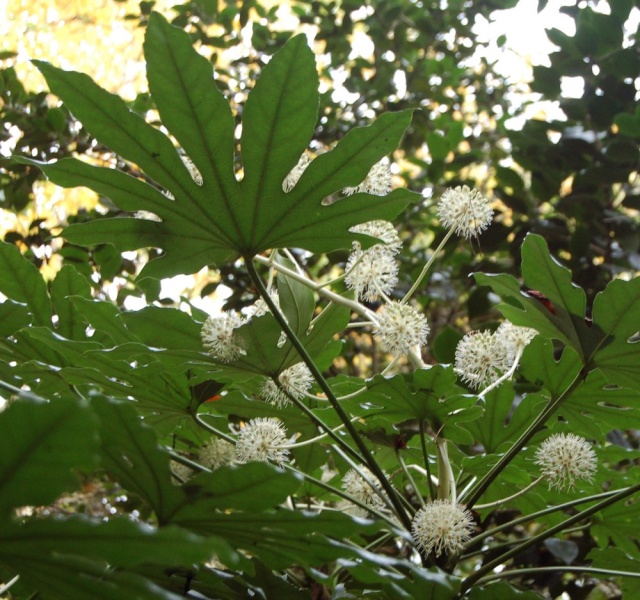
(616,311)
(555,308)
(41,447)
(210,216)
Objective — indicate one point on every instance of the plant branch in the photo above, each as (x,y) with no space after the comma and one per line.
(324,386)
(515,449)
(488,567)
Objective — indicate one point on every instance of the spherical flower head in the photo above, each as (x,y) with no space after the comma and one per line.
(565,458)
(383,230)
(371,272)
(481,358)
(296,380)
(441,526)
(216,453)
(182,472)
(377,182)
(464,210)
(400,328)
(260,308)
(516,338)
(356,486)
(294,175)
(261,440)
(220,338)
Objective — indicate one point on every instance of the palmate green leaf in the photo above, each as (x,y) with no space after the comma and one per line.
(394,578)
(21,281)
(296,301)
(497,425)
(616,311)
(13,317)
(618,525)
(562,315)
(502,590)
(217,218)
(105,318)
(265,355)
(436,399)
(617,560)
(42,447)
(281,538)
(67,283)
(163,398)
(119,542)
(252,487)
(130,453)
(598,407)
(539,365)
(77,578)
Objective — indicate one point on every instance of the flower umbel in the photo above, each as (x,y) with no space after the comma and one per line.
(216,453)
(464,210)
(261,440)
(296,380)
(383,230)
(441,526)
(516,338)
(481,358)
(377,182)
(371,272)
(356,486)
(400,327)
(564,458)
(220,338)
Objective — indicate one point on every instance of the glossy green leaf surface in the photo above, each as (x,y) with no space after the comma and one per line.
(43,448)
(209,214)
(21,282)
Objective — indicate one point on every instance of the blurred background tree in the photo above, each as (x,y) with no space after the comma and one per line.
(557,162)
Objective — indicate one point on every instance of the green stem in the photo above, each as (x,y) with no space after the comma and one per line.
(490,566)
(425,457)
(408,475)
(541,513)
(426,268)
(337,298)
(211,429)
(562,569)
(320,423)
(324,386)
(509,498)
(537,424)
(341,494)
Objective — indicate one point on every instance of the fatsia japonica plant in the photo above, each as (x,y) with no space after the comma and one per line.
(258,464)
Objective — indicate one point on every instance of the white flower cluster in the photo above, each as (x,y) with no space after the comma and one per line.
(220,338)
(374,271)
(464,210)
(442,526)
(400,328)
(262,439)
(482,357)
(356,486)
(296,380)
(564,458)
(377,182)
(216,453)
